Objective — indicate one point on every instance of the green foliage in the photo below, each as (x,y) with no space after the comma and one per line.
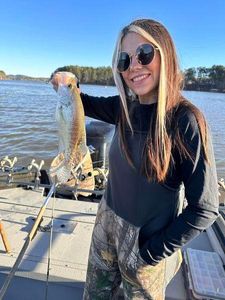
(90,75)
(205,79)
(201,78)
(198,79)
(2,75)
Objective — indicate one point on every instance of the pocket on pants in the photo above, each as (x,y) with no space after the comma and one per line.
(173,264)
(138,274)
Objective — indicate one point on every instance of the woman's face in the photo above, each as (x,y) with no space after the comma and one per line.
(143,80)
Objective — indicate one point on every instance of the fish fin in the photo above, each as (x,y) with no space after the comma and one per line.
(60,169)
(63,173)
(56,164)
(89,181)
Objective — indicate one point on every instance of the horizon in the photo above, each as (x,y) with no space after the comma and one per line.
(99,67)
(39,37)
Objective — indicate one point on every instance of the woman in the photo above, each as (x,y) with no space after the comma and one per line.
(161,144)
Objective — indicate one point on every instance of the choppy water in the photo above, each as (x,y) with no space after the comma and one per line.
(28,129)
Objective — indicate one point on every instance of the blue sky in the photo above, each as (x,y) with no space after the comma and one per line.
(36,37)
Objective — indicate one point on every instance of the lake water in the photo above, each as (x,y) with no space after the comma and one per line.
(28,129)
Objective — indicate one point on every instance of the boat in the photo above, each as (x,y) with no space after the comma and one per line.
(54,266)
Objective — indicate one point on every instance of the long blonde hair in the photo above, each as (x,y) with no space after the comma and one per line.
(157,153)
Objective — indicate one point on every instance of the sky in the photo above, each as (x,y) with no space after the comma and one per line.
(36,37)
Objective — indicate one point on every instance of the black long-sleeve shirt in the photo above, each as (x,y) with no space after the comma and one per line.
(150,205)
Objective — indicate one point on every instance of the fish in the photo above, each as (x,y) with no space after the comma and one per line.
(73,165)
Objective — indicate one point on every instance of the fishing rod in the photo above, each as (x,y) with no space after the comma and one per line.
(27,242)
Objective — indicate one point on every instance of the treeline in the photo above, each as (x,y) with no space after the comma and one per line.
(198,79)
(205,79)
(2,75)
(27,78)
(195,79)
(90,75)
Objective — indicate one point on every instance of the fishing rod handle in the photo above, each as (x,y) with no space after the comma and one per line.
(4,238)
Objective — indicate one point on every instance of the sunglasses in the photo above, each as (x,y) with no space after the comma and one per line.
(144,55)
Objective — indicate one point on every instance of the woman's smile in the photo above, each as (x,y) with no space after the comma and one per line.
(140,78)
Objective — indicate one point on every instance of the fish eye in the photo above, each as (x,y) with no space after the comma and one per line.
(78,84)
(69,86)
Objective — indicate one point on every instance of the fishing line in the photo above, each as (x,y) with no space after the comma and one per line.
(50,246)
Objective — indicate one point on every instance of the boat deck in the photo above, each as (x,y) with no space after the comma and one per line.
(73,224)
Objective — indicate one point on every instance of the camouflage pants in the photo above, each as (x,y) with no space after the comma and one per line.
(114,261)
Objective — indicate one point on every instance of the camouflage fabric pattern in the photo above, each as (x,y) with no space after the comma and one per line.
(114,262)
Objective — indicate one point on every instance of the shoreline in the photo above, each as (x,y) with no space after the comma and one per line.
(46,80)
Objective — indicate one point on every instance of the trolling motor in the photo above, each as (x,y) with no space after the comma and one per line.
(99,136)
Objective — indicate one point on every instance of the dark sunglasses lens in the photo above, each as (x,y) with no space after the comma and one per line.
(145,54)
(123,62)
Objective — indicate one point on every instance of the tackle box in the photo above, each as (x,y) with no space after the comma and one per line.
(204,275)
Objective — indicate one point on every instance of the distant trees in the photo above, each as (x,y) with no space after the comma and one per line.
(100,75)
(195,79)
(2,74)
(205,79)
(200,79)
